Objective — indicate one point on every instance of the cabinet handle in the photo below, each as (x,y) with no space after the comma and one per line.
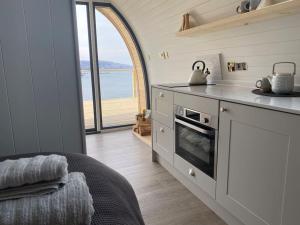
(222,109)
(161,95)
(162,130)
(191,172)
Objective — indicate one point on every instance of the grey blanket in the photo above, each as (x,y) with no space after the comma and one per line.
(32,190)
(15,173)
(71,204)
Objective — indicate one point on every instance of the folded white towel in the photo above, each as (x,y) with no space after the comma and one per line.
(15,173)
(32,190)
(71,204)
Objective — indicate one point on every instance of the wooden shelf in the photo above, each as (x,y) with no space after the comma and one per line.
(281,9)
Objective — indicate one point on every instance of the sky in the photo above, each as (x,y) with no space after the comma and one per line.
(111,46)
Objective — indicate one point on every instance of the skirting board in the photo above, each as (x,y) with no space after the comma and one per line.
(145,139)
(207,200)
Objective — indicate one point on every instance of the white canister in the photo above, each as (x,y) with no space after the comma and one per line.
(282,83)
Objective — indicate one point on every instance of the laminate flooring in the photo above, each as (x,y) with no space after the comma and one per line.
(163,199)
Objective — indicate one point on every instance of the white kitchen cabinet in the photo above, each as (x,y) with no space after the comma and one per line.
(259,165)
(162,106)
(163,141)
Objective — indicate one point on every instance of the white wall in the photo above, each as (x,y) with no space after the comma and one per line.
(260,45)
(39,89)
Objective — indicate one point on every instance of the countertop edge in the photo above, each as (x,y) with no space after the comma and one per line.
(232,100)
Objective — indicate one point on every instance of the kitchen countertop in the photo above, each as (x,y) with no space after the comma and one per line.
(242,95)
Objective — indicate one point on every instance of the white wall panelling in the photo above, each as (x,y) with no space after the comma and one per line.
(39,89)
(260,44)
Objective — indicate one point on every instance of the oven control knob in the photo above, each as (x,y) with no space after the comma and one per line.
(192,172)
(206,120)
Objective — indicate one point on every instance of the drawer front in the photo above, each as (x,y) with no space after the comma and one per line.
(205,182)
(162,106)
(163,141)
(205,105)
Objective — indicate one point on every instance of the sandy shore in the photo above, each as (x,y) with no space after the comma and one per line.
(114,112)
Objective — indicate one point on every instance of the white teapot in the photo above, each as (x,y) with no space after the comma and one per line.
(282,83)
(198,75)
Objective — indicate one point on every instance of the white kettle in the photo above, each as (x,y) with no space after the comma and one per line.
(198,75)
(282,83)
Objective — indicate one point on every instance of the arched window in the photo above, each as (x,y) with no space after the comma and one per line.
(114,77)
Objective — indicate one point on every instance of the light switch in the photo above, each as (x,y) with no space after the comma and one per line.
(164,55)
(167,54)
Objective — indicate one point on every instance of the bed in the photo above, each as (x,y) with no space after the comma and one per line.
(115,202)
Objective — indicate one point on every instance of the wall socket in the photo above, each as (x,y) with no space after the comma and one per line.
(234,66)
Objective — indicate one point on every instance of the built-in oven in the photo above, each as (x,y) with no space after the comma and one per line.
(196,139)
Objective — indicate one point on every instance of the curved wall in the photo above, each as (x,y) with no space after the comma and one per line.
(138,69)
(155,23)
(40,103)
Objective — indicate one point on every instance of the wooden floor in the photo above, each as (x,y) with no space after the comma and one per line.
(115,112)
(163,200)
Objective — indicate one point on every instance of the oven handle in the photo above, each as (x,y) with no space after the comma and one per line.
(193,127)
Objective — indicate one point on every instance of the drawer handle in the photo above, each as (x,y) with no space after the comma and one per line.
(161,95)
(162,130)
(192,172)
(222,109)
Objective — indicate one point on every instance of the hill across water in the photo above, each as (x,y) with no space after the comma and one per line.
(85,65)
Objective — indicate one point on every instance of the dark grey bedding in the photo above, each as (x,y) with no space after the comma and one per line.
(115,202)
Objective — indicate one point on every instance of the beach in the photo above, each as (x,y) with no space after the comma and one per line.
(118,104)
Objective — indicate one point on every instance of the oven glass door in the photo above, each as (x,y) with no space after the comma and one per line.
(196,144)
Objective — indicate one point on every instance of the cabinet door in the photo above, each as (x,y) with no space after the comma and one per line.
(255,179)
(163,141)
(162,106)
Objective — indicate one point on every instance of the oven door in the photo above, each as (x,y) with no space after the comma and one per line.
(196,144)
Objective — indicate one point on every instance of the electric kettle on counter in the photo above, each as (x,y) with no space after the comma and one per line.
(282,83)
(198,75)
